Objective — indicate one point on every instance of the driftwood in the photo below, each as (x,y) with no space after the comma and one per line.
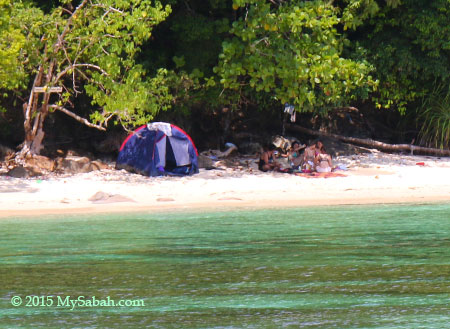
(372,143)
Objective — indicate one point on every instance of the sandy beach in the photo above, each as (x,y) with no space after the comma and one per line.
(372,178)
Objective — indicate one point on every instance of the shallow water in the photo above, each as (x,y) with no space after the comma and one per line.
(324,267)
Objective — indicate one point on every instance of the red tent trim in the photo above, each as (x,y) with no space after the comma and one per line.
(130,135)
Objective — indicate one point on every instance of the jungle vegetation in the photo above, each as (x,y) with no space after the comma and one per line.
(107,63)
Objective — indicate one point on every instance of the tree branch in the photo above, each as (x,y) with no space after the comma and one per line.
(73,66)
(371,143)
(76,117)
(116,10)
(31,99)
(69,21)
(109,10)
(92,66)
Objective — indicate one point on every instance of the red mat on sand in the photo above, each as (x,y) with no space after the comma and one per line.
(320,175)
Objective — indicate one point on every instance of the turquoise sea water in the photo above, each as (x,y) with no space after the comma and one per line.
(325,267)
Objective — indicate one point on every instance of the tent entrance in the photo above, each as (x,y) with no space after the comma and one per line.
(177,156)
(171,162)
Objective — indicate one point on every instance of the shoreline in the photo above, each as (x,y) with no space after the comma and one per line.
(192,209)
(370,180)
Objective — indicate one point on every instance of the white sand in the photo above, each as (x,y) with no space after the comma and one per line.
(371,179)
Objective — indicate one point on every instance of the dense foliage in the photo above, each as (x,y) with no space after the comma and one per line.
(130,59)
(294,52)
(90,46)
(11,42)
(410,46)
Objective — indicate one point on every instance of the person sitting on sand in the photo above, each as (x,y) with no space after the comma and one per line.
(322,160)
(307,161)
(294,156)
(267,160)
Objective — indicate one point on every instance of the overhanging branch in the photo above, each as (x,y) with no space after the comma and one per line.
(92,66)
(76,117)
(372,143)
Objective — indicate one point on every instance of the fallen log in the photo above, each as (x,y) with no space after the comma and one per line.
(372,143)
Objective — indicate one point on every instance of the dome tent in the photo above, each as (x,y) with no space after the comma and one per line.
(158,149)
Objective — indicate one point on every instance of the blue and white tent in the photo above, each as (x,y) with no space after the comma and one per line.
(158,149)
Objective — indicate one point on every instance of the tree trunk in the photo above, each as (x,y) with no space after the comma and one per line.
(371,143)
(38,135)
(30,118)
(34,135)
(35,116)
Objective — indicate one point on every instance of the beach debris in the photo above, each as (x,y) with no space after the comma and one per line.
(98,165)
(40,163)
(205,162)
(73,164)
(210,159)
(76,164)
(216,154)
(103,197)
(284,143)
(18,172)
(25,172)
(5,152)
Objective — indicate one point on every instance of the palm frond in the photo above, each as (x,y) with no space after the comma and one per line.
(434,118)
